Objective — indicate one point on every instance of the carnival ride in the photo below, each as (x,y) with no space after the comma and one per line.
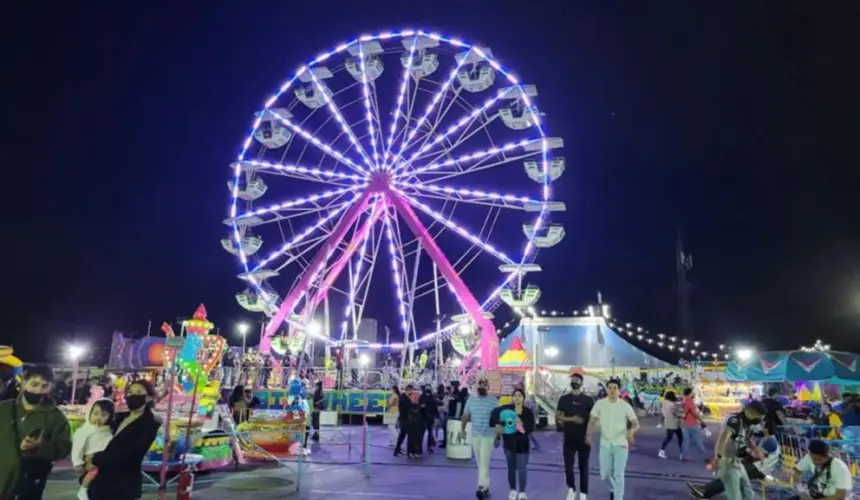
(459,116)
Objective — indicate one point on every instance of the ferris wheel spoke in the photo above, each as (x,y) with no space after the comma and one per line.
(298,202)
(463,122)
(458,229)
(313,174)
(470,196)
(298,254)
(397,269)
(301,236)
(325,148)
(401,97)
(338,116)
(368,110)
(457,161)
(430,107)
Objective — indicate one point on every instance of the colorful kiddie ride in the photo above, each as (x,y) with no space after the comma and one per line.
(191,363)
(277,432)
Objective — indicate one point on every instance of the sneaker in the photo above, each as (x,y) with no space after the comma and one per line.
(661,453)
(512,495)
(397,453)
(571,494)
(522,496)
(479,494)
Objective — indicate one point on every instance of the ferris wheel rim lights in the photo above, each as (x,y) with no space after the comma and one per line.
(381,162)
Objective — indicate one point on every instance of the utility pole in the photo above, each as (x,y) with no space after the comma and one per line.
(683,265)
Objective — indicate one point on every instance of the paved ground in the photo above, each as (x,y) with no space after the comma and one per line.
(334,470)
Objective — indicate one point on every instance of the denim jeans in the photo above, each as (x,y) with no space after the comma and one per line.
(692,435)
(735,480)
(613,463)
(517,469)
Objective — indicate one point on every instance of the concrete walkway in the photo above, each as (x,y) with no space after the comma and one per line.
(335,470)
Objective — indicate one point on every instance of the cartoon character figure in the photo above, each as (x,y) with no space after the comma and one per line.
(297,395)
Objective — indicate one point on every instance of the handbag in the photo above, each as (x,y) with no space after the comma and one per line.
(32,473)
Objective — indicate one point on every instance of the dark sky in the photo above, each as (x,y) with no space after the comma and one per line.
(736,123)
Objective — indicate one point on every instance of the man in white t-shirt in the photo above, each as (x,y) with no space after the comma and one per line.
(618,425)
(825,475)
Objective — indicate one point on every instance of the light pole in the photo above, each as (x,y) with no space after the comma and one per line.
(243,331)
(74,353)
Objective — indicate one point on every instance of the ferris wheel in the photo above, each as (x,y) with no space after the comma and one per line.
(408,155)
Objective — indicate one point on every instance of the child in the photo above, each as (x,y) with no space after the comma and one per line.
(92,437)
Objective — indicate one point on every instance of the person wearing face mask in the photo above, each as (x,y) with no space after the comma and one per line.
(429,410)
(573,411)
(134,432)
(478,411)
(732,445)
(38,436)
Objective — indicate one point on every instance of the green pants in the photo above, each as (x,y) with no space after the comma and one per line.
(735,480)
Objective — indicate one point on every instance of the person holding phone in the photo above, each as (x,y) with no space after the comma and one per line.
(38,436)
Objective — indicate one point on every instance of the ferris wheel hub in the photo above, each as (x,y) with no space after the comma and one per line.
(379,182)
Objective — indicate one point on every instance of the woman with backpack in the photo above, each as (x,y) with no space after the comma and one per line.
(672,413)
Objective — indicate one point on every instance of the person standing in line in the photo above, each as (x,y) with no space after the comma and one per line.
(618,426)
(478,411)
(392,409)
(404,408)
(455,408)
(573,411)
(672,423)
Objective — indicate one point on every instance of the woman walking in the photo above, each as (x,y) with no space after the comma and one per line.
(514,423)
(672,423)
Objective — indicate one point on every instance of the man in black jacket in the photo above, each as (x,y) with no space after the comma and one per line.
(429,411)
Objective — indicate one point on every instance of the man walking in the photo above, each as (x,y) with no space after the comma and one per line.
(573,411)
(618,425)
(478,411)
(36,434)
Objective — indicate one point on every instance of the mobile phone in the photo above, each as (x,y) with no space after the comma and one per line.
(34,434)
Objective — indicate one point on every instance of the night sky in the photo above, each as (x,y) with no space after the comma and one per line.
(736,124)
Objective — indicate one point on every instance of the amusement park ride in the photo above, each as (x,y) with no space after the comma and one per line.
(409,182)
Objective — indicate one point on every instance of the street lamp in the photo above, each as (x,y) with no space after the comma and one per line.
(314,329)
(744,354)
(243,331)
(74,353)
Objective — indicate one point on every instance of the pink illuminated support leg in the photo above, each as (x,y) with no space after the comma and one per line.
(337,235)
(341,263)
(489,343)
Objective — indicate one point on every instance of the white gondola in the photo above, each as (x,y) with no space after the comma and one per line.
(521,298)
(259,275)
(254,189)
(477,80)
(424,64)
(272,133)
(516,119)
(372,66)
(244,222)
(545,238)
(250,245)
(520,268)
(534,169)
